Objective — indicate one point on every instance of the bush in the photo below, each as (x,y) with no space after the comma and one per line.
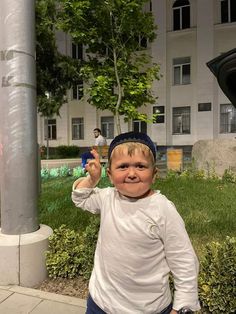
(229,176)
(88,244)
(71,254)
(217,278)
(62,259)
(64,151)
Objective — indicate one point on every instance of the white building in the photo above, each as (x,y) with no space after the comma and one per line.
(192,106)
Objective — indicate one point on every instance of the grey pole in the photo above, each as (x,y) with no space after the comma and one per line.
(18,118)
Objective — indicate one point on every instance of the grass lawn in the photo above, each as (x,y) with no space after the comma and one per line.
(208,207)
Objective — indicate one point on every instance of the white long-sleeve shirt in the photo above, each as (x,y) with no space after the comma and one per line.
(100,141)
(139,243)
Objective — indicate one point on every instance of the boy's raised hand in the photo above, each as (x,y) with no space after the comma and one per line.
(94,167)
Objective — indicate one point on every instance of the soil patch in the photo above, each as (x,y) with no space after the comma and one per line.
(76,287)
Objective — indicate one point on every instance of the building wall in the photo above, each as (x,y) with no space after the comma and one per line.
(205,39)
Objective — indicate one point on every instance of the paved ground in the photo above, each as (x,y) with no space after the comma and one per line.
(20,300)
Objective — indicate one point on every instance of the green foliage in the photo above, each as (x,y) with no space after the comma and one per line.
(62,258)
(78,172)
(45,173)
(64,151)
(71,254)
(217,280)
(119,70)
(55,72)
(229,176)
(87,249)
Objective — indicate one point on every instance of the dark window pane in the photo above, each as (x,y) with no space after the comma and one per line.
(160,119)
(73,51)
(80,52)
(143,42)
(186,74)
(224,12)
(204,106)
(143,127)
(159,109)
(180,3)
(136,126)
(233,10)
(176,18)
(74,92)
(185,17)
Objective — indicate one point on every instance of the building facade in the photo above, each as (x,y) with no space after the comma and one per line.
(190,103)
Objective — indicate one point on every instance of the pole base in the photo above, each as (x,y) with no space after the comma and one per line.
(22,257)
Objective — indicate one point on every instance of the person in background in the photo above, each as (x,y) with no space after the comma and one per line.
(99,141)
(142,237)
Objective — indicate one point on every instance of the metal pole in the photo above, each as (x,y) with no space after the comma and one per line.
(18,125)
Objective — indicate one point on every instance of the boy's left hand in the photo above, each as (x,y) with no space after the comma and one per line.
(94,167)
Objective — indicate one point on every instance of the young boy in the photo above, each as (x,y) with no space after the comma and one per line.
(141,239)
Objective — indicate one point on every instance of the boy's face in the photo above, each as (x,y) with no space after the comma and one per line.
(132,175)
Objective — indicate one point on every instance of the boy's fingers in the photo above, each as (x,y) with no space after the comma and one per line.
(95,154)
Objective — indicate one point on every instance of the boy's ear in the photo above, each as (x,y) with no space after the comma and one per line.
(155,171)
(109,174)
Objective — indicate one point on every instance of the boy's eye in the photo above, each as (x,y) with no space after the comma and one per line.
(141,166)
(123,166)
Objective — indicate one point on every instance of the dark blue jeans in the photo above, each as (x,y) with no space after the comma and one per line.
(93,308)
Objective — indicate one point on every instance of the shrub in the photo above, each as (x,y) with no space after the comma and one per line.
(217,278)
(64,171)
(229,176)
(88,245)
(71,254)
(62,258)
(64,151)
(45,174)
(78,172)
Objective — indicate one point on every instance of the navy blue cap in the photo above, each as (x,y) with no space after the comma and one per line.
(132,137)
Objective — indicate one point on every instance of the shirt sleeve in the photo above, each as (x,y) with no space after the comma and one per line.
(87,198)
(182,260)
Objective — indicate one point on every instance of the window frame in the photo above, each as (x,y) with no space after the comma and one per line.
(182,115)
(229,16)
(142,126)
(179,9)
(77,127)
(78,90)
(204,106)
(161,115)
(180,65)
(226,128)
(77,51)
(50,129)
(107,127)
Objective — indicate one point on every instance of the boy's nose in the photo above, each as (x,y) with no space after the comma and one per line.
(132,172)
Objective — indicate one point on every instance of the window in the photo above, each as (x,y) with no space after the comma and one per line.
(181,120)
(228,11)
(107,127)
(141,41)
(227,118)
(139,126)
(78,91)
(160,110)
(181,15)
(181,68)
(77,51)
(77,128)
(204,106)
(50,129)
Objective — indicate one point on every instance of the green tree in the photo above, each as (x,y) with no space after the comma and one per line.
(56,73)
(119,71)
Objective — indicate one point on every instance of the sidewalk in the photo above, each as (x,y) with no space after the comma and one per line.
(21,300)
